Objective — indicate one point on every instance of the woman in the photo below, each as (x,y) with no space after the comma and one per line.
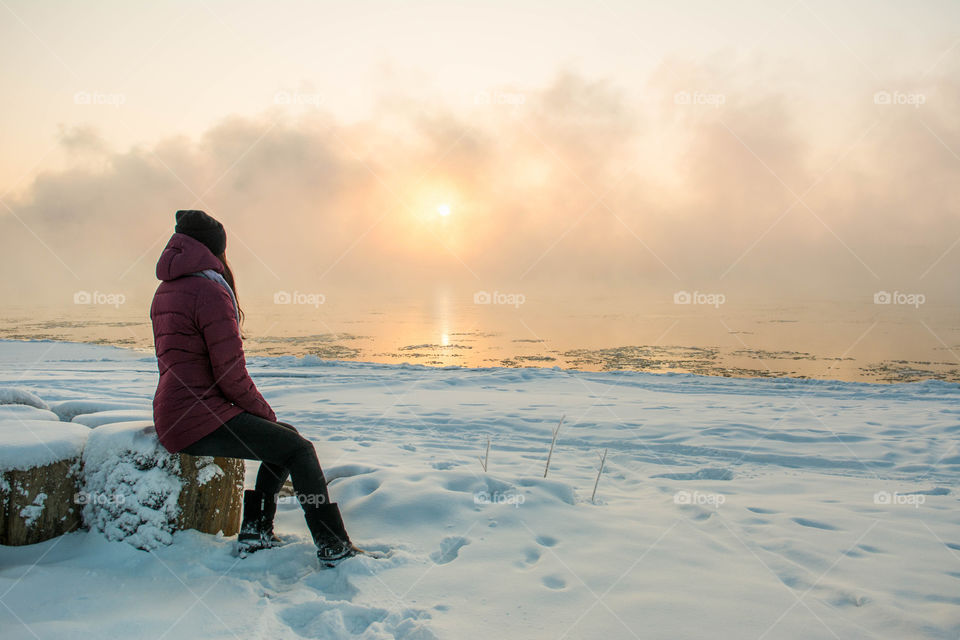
(207,405)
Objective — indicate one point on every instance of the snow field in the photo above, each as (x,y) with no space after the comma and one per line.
(734,508)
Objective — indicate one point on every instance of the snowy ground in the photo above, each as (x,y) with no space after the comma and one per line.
(728,507)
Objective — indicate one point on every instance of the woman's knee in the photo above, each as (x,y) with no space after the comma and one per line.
(302,448)
(288,426)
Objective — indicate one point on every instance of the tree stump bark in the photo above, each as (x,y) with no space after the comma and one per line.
(211,498)
(140,493)
(39,476)
(39,503)
(116,478)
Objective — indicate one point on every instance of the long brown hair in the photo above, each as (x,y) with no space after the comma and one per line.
(228,276)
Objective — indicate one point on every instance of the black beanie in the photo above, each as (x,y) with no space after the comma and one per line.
(199,226)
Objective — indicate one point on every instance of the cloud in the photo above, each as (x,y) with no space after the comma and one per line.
(571,185)
(81,140)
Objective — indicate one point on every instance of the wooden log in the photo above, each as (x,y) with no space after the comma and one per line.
(39,503)
(211,496)
(140,493)
(39,478)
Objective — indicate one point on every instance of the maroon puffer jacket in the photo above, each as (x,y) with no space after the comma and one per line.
(203,373)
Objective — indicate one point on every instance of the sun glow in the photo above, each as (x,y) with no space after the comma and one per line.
(444,210)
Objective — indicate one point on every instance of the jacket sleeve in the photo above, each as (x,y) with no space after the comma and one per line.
(218,326)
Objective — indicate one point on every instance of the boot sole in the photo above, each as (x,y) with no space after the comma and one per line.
(243,550)
(376,555)
(330,563)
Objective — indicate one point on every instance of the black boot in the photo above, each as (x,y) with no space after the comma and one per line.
(267,513)
(256,530)
(329,534)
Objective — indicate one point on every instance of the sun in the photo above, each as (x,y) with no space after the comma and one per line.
(443,209)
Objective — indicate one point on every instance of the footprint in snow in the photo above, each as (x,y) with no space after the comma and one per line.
(554,582)
(324,619)
(698,513)
(546,541)
(531,556)
(339,619)
(814,524)
(707,473)
(449,549)
(762,511)
(346,471)
(359,488)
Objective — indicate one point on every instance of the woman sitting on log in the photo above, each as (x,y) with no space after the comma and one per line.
(207,405)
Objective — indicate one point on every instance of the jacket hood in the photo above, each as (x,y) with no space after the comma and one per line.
(184,255)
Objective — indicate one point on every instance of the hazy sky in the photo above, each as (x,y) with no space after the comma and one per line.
(645,147)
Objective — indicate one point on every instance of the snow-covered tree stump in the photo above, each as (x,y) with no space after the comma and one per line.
(211,497)
(85,462)
(134,490)
(39,475)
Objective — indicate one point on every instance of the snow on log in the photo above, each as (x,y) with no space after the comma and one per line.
(138,492)
(17,395)
(26,412)
(70,409)
(39,476)
(99,418)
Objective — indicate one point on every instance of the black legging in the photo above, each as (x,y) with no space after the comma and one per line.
(280,448)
